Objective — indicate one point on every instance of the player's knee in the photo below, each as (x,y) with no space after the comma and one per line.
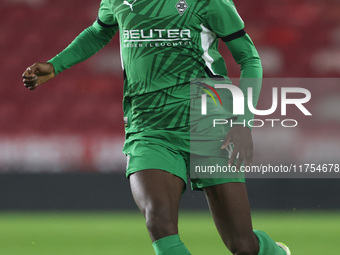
(160,222)
(243,246)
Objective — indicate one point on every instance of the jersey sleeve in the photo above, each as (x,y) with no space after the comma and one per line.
(224,20)
(246,55)
(106,17)
(88,42)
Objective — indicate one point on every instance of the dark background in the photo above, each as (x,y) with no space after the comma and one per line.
(92,191)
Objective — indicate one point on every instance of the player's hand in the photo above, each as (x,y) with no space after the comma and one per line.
(242,139)
(37,74)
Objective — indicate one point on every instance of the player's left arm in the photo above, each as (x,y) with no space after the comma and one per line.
(224,20)
(246,55)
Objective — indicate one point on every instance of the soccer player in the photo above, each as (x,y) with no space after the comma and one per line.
(164,45)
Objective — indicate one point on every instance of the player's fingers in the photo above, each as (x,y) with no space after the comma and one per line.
(30,80)
(34,68)
(240,161)
(29,76)
(33,87)
(31,70)
(226,141)
(31,84)
(28,72)
(248,157)
(233,156)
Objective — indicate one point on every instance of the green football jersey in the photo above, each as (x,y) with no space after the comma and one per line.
(164,44)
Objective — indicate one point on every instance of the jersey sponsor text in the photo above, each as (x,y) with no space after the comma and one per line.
(156,35)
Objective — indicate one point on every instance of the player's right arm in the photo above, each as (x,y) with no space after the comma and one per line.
(86,44)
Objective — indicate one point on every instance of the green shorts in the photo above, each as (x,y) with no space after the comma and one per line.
(169,150)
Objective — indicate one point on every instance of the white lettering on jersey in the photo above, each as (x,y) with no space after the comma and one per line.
(156,35)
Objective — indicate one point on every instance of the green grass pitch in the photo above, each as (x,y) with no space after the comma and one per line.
(124,233)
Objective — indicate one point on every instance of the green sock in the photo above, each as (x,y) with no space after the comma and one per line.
(267,245)
(170,245)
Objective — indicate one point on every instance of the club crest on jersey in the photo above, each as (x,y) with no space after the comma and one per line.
(181,6)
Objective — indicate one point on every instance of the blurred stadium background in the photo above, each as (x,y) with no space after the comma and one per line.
(60,146)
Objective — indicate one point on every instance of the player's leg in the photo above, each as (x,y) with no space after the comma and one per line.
(157,194)
(230,209)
